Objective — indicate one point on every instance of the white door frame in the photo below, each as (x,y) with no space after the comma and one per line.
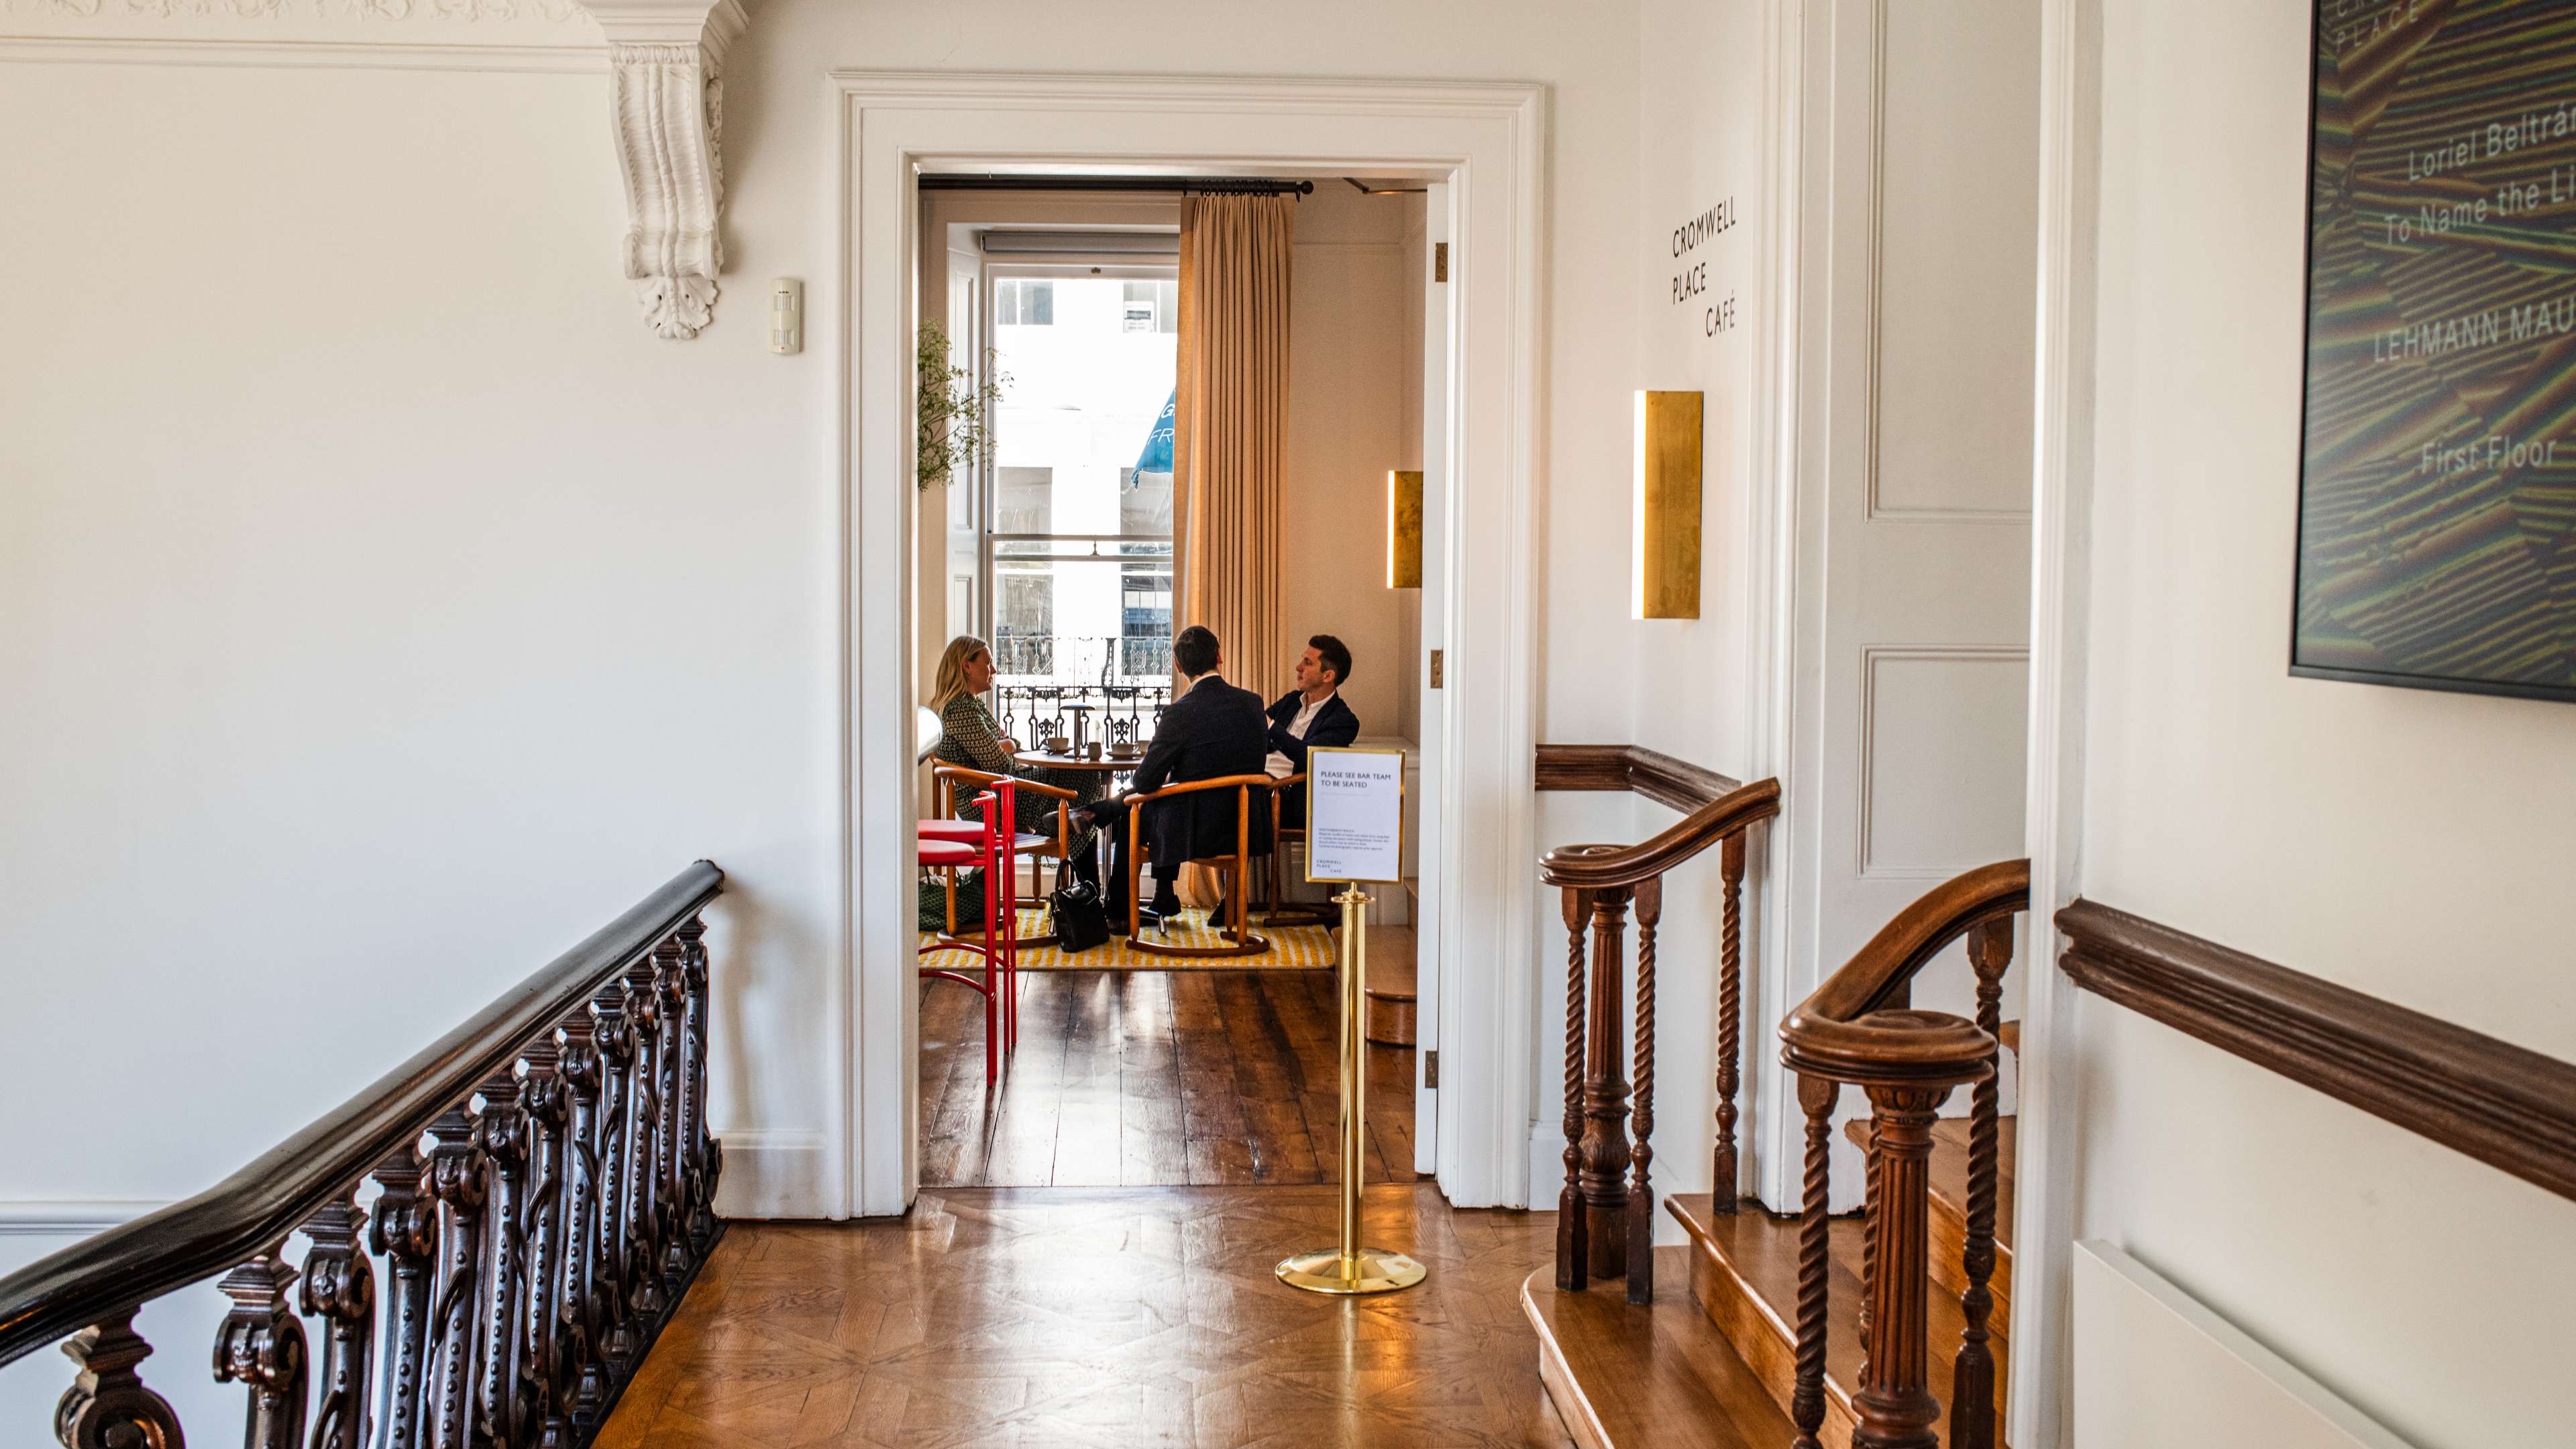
(2070,173)
(1488,141)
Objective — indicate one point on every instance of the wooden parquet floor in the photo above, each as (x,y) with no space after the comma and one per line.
(1153,1078)
(1112,1318)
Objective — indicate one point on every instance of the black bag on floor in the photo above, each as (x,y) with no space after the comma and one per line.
(1080,921)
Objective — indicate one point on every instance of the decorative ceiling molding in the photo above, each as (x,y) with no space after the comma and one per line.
(286,21)
(667,58)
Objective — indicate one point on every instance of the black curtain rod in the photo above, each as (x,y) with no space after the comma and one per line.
(1235,185)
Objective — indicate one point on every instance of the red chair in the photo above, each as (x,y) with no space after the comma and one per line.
(986,844)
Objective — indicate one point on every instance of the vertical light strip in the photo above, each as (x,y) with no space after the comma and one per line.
(1403,529)
(1665,559)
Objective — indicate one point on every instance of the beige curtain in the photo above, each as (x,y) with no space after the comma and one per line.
(1228,428)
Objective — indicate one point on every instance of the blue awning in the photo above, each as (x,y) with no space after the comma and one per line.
(1157,457)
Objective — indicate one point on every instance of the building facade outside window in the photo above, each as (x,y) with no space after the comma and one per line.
(1078,537)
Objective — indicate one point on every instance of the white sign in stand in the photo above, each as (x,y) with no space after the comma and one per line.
(1354,815)
(1354,833)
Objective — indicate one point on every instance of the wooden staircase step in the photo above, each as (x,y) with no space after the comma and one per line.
(1623,1375)
(1949,1173)
(1743,1270)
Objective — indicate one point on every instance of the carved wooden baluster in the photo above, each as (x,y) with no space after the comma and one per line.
(581,1387)
(1572,1262)
(340,1288)
(261,1345)
(503,1131)
(546,1102)
(701,1144)
(616,1039)
(1869,1227)
(456,1178)
(1641,1151)
(404,1227)
(1605,1092)
(1730,1020)
(1972,1379)
(1816,1096)
(1894,1408)
(643,1121)
(670,1173)
(107,1406)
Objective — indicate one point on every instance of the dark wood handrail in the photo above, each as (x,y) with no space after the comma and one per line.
(1598,867)
(1651,773)
(2507,1106)
(1880,970)
(250,1212)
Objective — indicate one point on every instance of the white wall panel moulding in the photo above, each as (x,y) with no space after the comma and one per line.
(667,59)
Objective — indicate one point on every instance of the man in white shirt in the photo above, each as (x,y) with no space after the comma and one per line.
(1312,714)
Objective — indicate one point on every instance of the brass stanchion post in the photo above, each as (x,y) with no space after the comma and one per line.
(1350,1268)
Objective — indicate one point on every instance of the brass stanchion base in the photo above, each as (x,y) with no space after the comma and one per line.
(1326,1271)
(1349,1268)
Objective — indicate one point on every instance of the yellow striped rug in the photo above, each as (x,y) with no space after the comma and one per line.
(1292,948)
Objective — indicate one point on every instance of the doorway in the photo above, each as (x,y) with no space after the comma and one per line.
(1061,306)
(1482,144)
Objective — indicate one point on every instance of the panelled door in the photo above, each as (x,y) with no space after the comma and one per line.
(1913,594)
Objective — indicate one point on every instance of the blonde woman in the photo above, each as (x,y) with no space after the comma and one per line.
(969,737)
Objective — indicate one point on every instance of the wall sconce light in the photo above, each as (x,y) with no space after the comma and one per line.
(1667,523)
(1404,530)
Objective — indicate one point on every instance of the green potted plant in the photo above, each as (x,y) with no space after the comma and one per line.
(954,413)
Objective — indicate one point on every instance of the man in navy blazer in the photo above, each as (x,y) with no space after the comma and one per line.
(1312,714)
(1211,730)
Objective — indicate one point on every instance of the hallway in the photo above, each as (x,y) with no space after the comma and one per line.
(1115,1318)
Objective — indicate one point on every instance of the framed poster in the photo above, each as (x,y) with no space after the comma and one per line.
(1354,814)
(2437,493)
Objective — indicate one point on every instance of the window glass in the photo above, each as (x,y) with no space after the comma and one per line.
(1024,302)
(1080,531)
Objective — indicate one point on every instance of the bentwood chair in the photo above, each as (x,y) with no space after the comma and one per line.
(950,845)
(952,781)
(1240,938)
(1278,909)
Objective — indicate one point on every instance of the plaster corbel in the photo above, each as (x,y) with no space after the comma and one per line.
(667,57)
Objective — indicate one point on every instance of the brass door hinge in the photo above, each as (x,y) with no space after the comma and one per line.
(1431,1068)
(1439,261)
(1435,669)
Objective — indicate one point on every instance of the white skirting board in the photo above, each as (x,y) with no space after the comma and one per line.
(2155,1369)
(774,1172)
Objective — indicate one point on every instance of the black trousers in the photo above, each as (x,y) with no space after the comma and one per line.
(1112,816)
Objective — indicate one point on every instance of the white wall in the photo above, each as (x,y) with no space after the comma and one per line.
(385,607)
(1347,355)
(2411,845)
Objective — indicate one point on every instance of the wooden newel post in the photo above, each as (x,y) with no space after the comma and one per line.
(1604,1175)
(1571,1259)
(1894,1408)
